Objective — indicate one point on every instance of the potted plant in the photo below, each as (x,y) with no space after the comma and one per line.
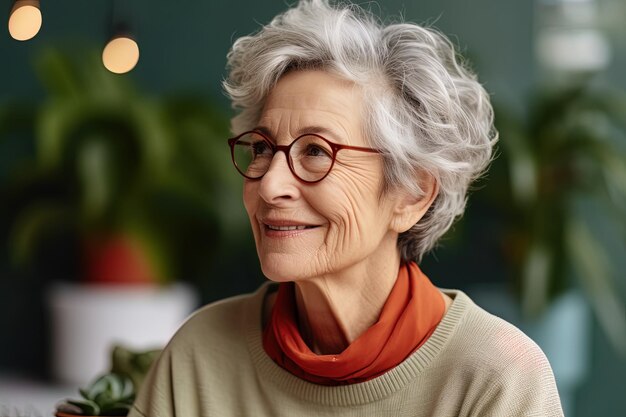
(112,394)
(136,191)
(569,152)
(122,172)
(561,172)
(108,395)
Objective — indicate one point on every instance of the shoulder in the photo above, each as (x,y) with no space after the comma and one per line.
(490,340)
(221,322)
(505,364)
(209,350)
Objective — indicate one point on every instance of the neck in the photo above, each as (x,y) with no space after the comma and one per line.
(335,310)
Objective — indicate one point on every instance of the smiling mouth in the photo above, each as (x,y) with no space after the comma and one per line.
(287,228)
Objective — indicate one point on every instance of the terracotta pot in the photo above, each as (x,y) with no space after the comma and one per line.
(59,414)
(117,259)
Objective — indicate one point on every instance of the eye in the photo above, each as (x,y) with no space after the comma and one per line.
(316,150)
(260,148)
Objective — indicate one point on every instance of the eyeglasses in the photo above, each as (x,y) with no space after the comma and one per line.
(310,157)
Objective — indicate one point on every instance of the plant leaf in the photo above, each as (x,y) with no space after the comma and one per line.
(57,73)
(90,408)
(536,276)
(522,169)
(84,393)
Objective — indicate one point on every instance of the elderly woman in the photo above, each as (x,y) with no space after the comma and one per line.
(358,142)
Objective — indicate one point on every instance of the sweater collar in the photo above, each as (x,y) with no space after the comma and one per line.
(356,394)
(407,319)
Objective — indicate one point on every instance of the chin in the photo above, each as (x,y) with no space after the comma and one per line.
(283,268)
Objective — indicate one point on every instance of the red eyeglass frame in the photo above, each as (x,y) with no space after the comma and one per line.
(287,148)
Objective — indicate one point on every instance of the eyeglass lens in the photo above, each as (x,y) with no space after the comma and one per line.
(310,157)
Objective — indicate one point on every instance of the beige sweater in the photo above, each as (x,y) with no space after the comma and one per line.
(474,364)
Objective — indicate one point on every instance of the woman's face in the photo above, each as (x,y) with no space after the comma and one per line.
(312,230)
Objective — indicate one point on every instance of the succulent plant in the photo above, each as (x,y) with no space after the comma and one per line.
(109,395)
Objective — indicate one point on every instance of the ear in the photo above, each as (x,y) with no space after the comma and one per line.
(410,209)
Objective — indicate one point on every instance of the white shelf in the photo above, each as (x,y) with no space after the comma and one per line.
(28,398)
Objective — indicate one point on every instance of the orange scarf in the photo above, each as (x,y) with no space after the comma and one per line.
(410,315)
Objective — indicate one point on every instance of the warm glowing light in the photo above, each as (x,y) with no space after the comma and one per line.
(25,20)
(120,55)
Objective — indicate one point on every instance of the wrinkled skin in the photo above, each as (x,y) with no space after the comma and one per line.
(345,265)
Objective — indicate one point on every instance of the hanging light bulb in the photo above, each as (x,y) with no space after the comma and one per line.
(120,54)
(25,19)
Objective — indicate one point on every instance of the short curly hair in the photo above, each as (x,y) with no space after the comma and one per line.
(423,105)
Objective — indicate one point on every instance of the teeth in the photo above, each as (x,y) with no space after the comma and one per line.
(286,227)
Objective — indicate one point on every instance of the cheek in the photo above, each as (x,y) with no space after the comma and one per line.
(250,201)
(249,191)
(351,204)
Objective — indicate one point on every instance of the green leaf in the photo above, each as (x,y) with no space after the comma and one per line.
(536,275)
(94,166)
(133,364)
(152,135)
(90,408)
(522,169)
(84,393)
(58,74)
(56,121)
(613,167)
(128,389)
(98,386)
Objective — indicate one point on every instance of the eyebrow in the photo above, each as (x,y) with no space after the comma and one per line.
(321,130)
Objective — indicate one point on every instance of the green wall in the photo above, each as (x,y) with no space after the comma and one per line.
(184,43)
(183,46)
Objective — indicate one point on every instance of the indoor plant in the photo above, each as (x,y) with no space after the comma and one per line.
(555,187)
(109,395)
(116,188)
(129,176)
(113,393)
(567,153)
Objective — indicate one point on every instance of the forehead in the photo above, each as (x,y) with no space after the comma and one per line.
(312,97)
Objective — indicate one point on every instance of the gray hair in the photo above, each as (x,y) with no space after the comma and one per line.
(422,105)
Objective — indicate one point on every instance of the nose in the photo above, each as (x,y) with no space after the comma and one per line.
(279,185)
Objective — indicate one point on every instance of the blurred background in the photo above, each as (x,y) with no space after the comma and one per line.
(120,211)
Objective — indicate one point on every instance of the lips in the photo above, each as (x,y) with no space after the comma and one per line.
(285,225)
